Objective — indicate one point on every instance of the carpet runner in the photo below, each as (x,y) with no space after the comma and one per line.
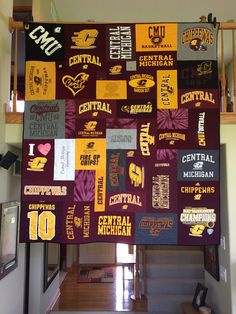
(93,274)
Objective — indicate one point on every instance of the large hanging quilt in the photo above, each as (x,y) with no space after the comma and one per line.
(121,134)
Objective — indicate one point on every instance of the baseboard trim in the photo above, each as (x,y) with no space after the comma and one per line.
(54,300)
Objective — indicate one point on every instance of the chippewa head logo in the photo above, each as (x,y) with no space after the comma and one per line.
(75,84)
(198,38)
(37,80)
(197,44)
(204,68)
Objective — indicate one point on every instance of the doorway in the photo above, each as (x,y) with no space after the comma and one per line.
(112,296)
(124,252)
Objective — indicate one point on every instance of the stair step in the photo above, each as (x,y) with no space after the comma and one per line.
(172,285)
(173,257)
(155,270)
(174,247)
(165,303)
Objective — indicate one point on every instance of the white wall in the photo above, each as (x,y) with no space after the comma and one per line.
(228,136)
(44,10)
(219,293)
(40,302)
(22,2)
(9,185)
(222,295)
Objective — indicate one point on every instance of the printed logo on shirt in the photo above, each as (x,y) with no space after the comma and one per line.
(156,224)
(91,128)
(40,80)
(45,40)
(141,82)
(120,42)
(197,74)
(161,191)
(167,93)
(111,89)
(198,190)
(198,165)
(75,84)
(172,138)
(98,108)
(84,39)
(197,98)
(115,70)
(160,60)
(156,37)
(136,175)
(85,59)
(198,38)
(199,219)
(145,139)
(116,169)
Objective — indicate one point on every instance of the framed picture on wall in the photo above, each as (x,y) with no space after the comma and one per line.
(8,237)
(211,260)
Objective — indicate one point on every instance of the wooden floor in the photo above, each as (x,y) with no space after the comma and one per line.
(95,296)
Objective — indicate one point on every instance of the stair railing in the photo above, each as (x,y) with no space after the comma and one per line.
(140,281)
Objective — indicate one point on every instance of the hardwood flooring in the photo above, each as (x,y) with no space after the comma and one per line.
(95,296)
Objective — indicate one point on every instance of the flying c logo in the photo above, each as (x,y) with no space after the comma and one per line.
(37,164)
(90,125)
(84,39)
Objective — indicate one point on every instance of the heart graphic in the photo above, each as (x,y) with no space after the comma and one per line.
(210,231)
(44,149)
(75,84)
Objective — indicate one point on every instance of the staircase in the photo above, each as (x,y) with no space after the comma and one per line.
(172,276)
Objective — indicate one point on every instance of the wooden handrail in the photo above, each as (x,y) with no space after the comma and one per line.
(223,81)
(234,67)
(15,75)
(140,262)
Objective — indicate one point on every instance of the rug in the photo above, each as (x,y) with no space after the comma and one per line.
(96,274)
